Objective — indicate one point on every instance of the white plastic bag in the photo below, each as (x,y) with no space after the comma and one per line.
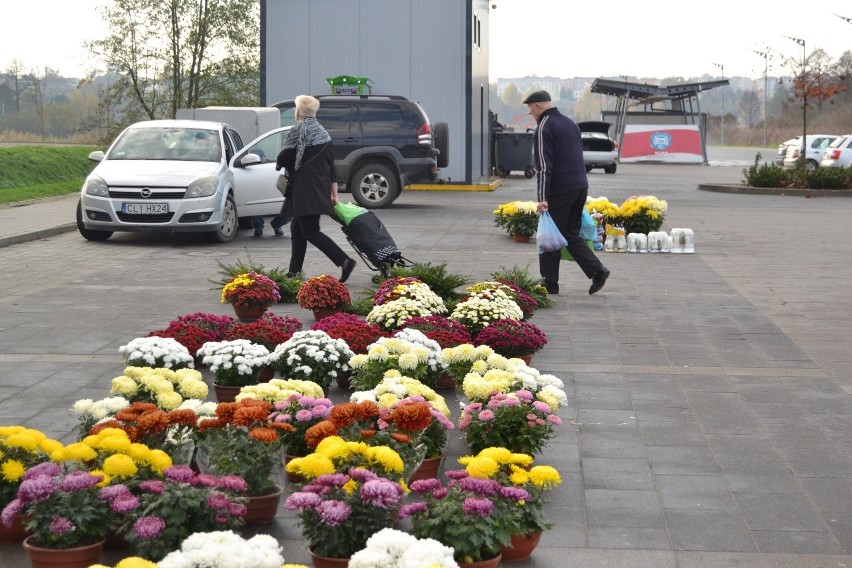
(548,238)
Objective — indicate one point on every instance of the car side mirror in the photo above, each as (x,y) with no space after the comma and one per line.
(97,156)
(249,160)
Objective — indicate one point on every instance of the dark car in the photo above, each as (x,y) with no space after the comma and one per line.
(381,144)
(599,150)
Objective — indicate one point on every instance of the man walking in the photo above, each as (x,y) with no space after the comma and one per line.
(562,188)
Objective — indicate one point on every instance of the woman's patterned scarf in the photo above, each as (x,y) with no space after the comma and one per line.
(308,132)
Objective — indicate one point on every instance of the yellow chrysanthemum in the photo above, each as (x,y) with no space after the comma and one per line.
(77,451)
(408,361)
(350,486)
(120,465)
(125,386)
(311,466)
(135,562)
(167,374)
(169,400)
(356,449)
(387,400)
(23,440)
(519,476)
(106,477)
(387,458)
(523,460)
(194,389)
(114,444)
(49,445)
(12,470)
(113,433)
(159,460)
(9,430)
(332,447)
(483,467)
(544,476)
(499,455)
(139,452)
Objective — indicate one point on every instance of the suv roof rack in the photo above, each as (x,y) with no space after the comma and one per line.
(365,97)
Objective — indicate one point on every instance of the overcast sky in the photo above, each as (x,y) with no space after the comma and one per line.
(559,38)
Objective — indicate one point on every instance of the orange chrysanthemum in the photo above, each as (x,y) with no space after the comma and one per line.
(210,423)
(282,426)
(366,410)
(319,432)
(152,421)
(343,415)
(255,402)
(98,428)
(184,417)
(127,415)
(265,435)
(247,415)
(401,438)
(367,433)
(225,410)
(411,417)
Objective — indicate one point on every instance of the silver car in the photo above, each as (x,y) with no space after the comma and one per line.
(599,150)
(838,154)
(177,175)
(814,146)
(782,149)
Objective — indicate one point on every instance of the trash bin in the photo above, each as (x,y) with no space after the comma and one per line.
(514,153)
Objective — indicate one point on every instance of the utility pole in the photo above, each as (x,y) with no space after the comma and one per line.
(765,56)
(803,156)
(722,121)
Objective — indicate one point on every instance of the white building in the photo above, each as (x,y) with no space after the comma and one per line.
(432,51)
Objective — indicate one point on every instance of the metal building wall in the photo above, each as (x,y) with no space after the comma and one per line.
(420,49)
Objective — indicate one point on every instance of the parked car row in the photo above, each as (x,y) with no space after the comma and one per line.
(821,150)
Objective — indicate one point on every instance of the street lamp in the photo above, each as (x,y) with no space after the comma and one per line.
(722,126)
(765,56)
(804,99)
(842,18)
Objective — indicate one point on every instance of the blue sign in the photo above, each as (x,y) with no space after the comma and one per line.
(661,140)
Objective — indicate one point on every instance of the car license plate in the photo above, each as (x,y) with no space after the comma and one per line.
(144,208)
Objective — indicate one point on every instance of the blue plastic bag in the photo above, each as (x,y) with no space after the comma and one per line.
(588,227)
(548,237)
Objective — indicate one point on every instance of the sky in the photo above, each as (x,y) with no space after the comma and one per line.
(560,38)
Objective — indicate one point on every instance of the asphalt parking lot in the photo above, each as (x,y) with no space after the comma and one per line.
(710,395)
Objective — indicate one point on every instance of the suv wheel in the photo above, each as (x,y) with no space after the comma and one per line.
(374,186)
(89,234)
(228,227)
(441,134)
(610,169)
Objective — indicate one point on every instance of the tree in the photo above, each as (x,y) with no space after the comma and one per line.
(512,96)
(749,106)
(173,54)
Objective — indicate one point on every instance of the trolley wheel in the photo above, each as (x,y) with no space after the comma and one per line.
(383,269)
(502,173)
(529,172)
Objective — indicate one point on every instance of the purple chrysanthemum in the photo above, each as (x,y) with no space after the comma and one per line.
(302,500)
(233,483)
(457,474)
(179,473)
(49,469)
(524,395)
(304,415)
(154,486)
(78,481)
(512,402)
(477,506)
(321,410)
(10,511)
(36,489)
(237,509)
(333,512)
(111,492)
(440,493)
(381,493)
(479,485)
(553,419)
(486,415)
(541,406)
(223,519)
(205,480)
(218,501)
(149,528)
(124,503)
(411,509)
(514,493)
(362,475)
(425,485)
(331,480)
(60,525)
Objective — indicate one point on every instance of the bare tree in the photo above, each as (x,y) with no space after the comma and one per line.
(181,53)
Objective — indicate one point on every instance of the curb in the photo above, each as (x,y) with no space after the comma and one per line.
(35,235)
(778,191)
(491,186)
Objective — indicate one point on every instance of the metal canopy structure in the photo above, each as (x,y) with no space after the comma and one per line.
(674,100)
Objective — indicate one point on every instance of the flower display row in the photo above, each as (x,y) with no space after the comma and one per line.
(517,217)
(637,214)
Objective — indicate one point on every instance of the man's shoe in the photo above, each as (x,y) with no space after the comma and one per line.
(552,290)
(258,233)
(278,232)
(348,266)
(598,280)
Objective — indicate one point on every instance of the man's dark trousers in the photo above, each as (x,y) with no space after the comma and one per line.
(566,209)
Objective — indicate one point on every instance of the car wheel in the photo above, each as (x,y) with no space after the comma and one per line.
(529,172)
(610,169)
(228,227)
(89,234)
(374,186)
(811,165)
(441,134)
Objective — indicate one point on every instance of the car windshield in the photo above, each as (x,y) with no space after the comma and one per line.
(168,143)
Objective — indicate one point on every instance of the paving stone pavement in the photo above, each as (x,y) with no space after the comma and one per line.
(710,412)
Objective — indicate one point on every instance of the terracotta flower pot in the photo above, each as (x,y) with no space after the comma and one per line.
(293,477)
(343,381)
(249,314)
(445,382)
(327,562)
(225,393)
(488,563)
(518,238)
(15,533)
(320,313)
(429,468)
(79,557)
(267,373)
(261,509)
(521,548)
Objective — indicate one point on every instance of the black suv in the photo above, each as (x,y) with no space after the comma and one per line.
(381,144)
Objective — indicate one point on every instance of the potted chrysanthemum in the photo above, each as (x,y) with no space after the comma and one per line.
(219,549)
(166,388)
(518,218)
(235,363)
(277,390)
(513,338)
(392,548)
(21,449)
(481,308)
(157,352)
(324,295)
(357,332)
(409,352)
(301,412)
(312,356)
(447,332)
(250,294)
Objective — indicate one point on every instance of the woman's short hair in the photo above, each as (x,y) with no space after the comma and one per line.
(307,105)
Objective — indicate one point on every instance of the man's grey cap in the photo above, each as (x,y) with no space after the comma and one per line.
(537,97)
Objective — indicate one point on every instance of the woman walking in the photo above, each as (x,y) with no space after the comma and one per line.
(312,189)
